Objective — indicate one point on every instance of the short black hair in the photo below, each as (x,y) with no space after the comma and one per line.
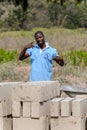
(38,32)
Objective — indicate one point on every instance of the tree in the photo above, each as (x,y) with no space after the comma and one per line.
(23,3)
(64,1)
(54,13)
(57,1)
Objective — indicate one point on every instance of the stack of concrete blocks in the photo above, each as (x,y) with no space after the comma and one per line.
(39,106)
(5,105)
(28,104)
(68,113)
(5,117)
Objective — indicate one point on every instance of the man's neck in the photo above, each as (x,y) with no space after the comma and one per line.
(42,46)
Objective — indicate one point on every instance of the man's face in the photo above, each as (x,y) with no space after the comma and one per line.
(39,39)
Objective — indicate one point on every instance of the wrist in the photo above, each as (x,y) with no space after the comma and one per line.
(25,48)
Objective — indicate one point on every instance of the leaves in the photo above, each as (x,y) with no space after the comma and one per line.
(23,3)
(6,56)
(77,58)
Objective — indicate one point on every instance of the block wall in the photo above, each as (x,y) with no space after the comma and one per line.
(39,106)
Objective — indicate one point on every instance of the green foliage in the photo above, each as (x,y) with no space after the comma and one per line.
(74,57)
(57,1)
(42,14)
(70,15)
(54,11)
(77,58)
(76,15)
(23,3)
(6,56)
(15,19)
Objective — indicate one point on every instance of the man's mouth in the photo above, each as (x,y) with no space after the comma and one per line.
(40,42)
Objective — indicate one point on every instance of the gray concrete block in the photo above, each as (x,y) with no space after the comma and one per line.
(79,106)
(70,123)
(54,122)
(29,91)
(5,123)
(6,89)
(55,107)
(16,109)
(5,108)
(26,109)
(66,106)
(39,109)
(36,91)
(30,124)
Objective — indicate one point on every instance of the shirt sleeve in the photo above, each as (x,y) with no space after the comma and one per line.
(29,51)
(55,53)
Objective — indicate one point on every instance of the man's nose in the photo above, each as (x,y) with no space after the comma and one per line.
(39,39)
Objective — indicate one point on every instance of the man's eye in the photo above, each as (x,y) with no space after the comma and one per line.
(38,37)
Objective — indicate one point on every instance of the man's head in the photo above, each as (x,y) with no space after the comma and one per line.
(39,37)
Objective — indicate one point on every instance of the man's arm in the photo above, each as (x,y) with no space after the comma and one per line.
(23,55)
(59,60)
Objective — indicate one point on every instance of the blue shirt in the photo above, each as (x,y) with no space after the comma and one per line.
(41,62)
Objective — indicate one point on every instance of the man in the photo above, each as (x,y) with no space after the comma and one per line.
(41,56)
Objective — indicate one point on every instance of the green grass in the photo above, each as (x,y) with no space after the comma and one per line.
(73,57)
(6,56)
(77,58)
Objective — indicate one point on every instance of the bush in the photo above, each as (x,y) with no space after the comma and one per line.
(77,58)
(76,15)
(6,56)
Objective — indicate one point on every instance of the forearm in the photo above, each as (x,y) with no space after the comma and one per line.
(22,54)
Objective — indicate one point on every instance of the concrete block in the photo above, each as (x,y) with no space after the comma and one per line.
(5,108)
(55,107)
(54,122)
(26,109)
(29,91)
(39,109)
(5,123)
(66,106)
(36,91)
(6,96)
(30,124)
(16,109)
(70,123)
(6,89)
(9,107)
(79,106)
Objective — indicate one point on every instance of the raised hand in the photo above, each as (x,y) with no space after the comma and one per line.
(29,45)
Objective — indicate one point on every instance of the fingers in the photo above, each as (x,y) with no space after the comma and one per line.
(32,42)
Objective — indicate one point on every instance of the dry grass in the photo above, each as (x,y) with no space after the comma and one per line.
(13,72)
(65,75)
(62,39)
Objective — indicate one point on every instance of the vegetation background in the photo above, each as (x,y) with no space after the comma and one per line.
(65,28)
(39,13)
